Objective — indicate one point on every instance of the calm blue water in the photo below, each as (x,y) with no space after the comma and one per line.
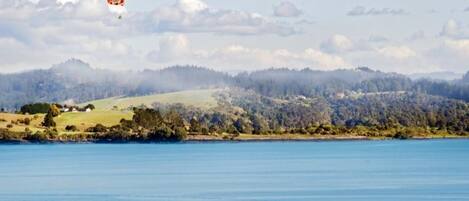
(272,171)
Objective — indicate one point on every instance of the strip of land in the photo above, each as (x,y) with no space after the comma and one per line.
(216,115)
(86,138)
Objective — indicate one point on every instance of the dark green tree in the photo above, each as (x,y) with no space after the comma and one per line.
(195,126)
(99,128)
(90,106)
(174,120)
(49,120)
(180,134)
(71,128)
(27,121)
(243,126)
(35,108)
(148,118)
(259,124)
(166,134)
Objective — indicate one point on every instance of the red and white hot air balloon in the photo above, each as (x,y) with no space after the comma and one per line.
(117,6)
(116,2)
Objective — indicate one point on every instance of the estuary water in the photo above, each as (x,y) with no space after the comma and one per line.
(261,171)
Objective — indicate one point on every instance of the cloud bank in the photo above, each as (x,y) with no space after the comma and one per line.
(42,32)
(361,11)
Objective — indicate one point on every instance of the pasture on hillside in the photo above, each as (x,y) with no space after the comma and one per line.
(196,98)
(110,111)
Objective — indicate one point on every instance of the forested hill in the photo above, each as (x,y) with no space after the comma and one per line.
(75,80)
(306,82)
(285,82)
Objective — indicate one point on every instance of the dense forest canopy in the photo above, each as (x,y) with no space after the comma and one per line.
(262,114)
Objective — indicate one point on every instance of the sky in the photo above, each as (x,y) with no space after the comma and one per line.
(417,36)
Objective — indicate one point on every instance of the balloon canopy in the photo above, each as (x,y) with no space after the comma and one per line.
(116,2)
(117,6)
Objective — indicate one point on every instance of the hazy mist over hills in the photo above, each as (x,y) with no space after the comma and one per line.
(77,81)
(447,76)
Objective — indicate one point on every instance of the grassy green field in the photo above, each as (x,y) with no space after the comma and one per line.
(106,115)
(34,125)
(197,98)
(83,120)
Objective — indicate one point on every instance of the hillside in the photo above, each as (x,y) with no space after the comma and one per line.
(7,118)
(81,120)
(196,98)
(106,114)
(265,101)
(372,115)
(77,81)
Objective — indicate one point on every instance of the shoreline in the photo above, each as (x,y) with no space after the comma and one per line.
(243,139)
(322,139)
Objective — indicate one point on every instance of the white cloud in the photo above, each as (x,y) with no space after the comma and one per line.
(287,9)
(171,47)
(192,6)
(194,16)
(336,44)
(453,51)
(397,52)
(325,60)
(453,29)
(185,16)
(456,49)
(419,35)
(393,58)
(60,30)
(38,34)
(459,47)
(176,50)
(240,57)
(13,53)
(361,11)
(88,29)
(451,54)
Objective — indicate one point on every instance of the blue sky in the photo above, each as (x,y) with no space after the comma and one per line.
(401,36)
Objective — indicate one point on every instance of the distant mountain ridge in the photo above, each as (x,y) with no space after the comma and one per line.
(77,81)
